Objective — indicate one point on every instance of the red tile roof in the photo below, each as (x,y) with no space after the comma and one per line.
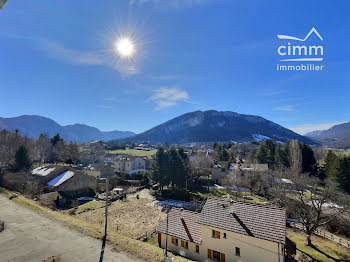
(260,221)
(177,227)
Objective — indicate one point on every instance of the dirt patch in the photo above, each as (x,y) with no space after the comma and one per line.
(135,218)
(144,194)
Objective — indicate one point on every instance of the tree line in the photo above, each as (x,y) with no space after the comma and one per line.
(19,153)
(301,157)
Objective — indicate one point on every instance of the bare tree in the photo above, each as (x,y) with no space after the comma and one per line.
(43,148)
(72,153)
(60,151)
(8,147)
(295,156)
(320,153)
(201,166)
(96,151)
(313,205)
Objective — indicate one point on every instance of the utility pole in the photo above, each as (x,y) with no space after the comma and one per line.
(166,258)
(106,215)
(167,224)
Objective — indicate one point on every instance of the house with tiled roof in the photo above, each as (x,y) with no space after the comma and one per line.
(226,231)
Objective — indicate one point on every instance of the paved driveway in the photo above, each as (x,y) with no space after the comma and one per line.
(30,236)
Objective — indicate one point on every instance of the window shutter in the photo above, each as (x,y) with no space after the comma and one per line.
(222,257)
(182,243)
(173,240)
(209,253)
(197,248)
(217,234)
(159,238)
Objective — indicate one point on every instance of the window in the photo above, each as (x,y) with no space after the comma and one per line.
(197,249)
(238,251)
(216,255)
(209,253)
(176,242)
(186,245)
(225,235)
(215,234)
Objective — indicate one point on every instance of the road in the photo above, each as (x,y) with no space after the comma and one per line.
(30,236)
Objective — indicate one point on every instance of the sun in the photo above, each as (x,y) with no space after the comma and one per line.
(124,47)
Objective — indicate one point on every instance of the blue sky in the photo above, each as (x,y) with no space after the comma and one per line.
(57,60)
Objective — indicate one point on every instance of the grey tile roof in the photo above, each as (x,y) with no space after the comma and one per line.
(176,227)
(260,221)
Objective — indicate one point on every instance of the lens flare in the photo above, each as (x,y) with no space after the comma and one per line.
(124,47)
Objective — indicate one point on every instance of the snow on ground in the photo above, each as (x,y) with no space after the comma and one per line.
(258,137)
(330,204)
(42,171)
(60,179)
(283,181)
(175,203)
(236,188)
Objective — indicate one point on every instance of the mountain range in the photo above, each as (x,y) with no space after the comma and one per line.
(336,136)
(32,126)
(211,126)
(198,126)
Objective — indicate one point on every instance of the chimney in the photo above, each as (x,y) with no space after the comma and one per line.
(231,208)
(181,213)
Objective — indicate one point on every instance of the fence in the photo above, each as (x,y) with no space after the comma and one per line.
(325,234)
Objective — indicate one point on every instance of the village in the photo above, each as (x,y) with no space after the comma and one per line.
(210,202)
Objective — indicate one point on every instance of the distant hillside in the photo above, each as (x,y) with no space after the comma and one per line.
(210,126)
(33,126)
(336,136)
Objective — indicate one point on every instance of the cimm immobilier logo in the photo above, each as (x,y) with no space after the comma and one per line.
(295,53)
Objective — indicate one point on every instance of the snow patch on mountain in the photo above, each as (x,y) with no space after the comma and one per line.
(258,137)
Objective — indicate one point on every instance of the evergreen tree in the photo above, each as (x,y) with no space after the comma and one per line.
(224,155)
(281,158)
(266,153)
(160,167)
(332,165)
(261,154)
(271,148)
(309,163)
(22,160)
(186,163)
(344,174)
(54,140)
(177,169)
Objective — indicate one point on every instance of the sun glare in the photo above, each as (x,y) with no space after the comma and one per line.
(124,47)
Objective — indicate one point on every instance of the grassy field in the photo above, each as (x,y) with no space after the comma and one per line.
(140,249)
(332,249)
(347,153)
(213,192)
(133,152)
(135,218)
(153,240)
(92,205)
